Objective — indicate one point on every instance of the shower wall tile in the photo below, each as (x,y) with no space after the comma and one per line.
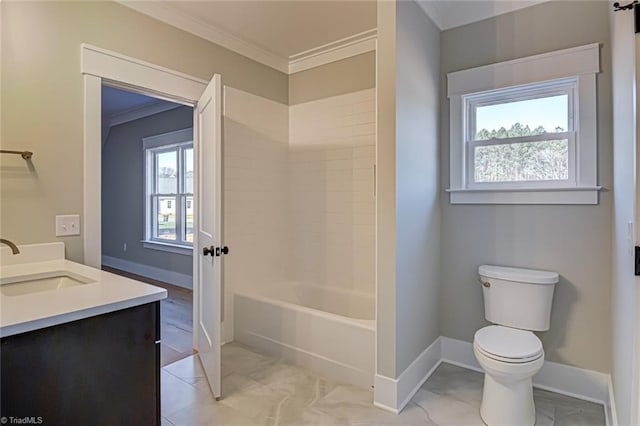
(255,152)
(298,192)
(331,206)
(263,115)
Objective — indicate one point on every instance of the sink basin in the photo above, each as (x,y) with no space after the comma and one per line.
(28,284)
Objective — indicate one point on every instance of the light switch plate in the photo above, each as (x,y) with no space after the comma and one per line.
(67,225)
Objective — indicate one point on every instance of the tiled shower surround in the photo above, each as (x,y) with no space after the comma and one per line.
(331,191)
(299,192)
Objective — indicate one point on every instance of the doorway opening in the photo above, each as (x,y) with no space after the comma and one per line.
(147,204)
(100,66)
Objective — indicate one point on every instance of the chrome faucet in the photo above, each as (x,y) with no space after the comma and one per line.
(12,246)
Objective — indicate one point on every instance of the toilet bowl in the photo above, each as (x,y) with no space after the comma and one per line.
(510,358)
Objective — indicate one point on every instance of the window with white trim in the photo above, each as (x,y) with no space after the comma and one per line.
(521,137)
(168,163)
(524,131)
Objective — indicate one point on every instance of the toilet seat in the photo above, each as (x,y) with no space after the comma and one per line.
(509,345)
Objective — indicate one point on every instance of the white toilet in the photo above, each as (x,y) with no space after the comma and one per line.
(518,301)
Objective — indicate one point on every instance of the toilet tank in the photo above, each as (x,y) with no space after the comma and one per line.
(519,298)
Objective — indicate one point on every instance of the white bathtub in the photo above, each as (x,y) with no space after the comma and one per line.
(329,331)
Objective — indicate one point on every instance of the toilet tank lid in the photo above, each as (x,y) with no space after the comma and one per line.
(518,274)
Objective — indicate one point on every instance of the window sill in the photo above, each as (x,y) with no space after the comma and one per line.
(570,195)
(171,248)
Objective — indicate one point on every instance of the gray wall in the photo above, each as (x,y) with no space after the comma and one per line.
(407,202)
(123,190)
(333,79)
(41,68)
(572,240)
(417,184)
(623,308)
(386,191)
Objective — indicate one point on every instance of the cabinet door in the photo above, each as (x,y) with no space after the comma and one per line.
(100,370)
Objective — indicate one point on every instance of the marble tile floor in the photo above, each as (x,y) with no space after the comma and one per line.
(259,390)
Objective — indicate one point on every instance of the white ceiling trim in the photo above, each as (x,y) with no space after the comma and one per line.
(331,52)
(335,51)
(176,18)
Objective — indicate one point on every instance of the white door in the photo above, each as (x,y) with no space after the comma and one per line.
(208,223)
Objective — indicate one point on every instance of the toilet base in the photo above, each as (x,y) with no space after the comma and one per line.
(507,403)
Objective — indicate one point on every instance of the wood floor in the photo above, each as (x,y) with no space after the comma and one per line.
(176,318)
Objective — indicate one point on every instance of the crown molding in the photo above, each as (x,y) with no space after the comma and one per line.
(176,18)
(334,51)
(330,52)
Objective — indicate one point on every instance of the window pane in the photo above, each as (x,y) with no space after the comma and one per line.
(188,171)
(165,226)
(188,226)
(167,172)
(523,118)
(517,162)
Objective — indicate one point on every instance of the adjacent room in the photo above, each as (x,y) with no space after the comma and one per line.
(411,212)
(147,204)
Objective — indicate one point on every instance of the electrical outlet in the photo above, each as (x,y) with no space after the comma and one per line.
(67,225)
(124,247)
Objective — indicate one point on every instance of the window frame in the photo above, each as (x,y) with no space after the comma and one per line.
(533,91)
(579,64)
(178,141)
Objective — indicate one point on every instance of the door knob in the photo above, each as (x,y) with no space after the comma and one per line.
(208,251)
(222,250)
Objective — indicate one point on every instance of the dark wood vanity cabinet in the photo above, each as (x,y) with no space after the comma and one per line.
(103,369)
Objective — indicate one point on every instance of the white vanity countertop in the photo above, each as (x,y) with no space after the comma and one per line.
(106,293)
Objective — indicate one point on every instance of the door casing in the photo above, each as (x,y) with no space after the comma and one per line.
(100,66)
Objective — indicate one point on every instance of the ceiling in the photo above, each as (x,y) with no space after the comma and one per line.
(285,28)
(279,33)
(448,14)
(116,101)
(121,106)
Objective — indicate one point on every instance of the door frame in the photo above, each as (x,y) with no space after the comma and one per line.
(100,66)
(635,392)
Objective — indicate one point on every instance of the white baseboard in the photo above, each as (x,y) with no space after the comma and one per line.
(460,353)
(564,379)
(573,381)
(171,277)
(385,393)
(393,394)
